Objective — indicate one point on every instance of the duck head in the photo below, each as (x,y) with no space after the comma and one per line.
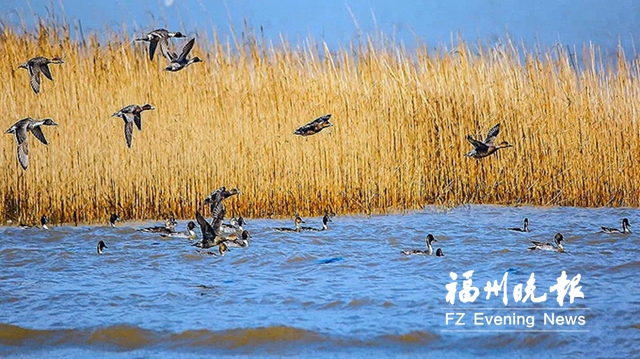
(101,247)
(504,144)
(43,221)
(191,226)
(147,107)
(49,122)
(431,239)
(56,60)
(439,253)
(114,217)
(625,223)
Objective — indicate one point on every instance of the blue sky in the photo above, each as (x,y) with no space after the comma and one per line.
(543,22)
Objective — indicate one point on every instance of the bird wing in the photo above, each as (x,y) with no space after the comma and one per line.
(164,49)
(138,120)
(45,71)
(153,43)
(218,216)
(492,134)
(21,130)
(37,133)
(23,154)
(205,227)
(34,78)
(128,131)
(477,144)
(186,49)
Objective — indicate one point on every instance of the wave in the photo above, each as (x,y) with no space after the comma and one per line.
(126,337)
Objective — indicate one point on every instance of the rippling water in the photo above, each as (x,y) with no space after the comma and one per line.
(346,291)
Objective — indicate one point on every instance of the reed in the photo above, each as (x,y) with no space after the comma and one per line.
(401,117)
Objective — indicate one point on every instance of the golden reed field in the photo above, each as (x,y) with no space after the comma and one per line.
(401,117)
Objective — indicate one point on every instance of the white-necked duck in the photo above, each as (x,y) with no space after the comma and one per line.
(132,114)
(38,65)
(20,129)
(180,62)
(101,247)
(525,227)
(113,219)
(326,219)
(429,251)
(189,233)
(548,246)
(625,228)
(161,37)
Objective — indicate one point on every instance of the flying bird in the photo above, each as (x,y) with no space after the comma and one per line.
(36,66)
(159,37)
(130,115)
(182,61)
(20,129)
(486,148)
(314,126)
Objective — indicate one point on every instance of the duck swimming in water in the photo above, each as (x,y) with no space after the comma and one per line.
(241,242)
(101,247)
(314,126)
(235,225)
(132,114)
(180,62)
(43,223)
(525,227)
(169,227)
(189,233)
(430,239)
(326,219)
(548,246)
(486,148)
(112,220)
(439,253)
(160,37)
(20,129)
(625,228)
(38,65)
(297,222)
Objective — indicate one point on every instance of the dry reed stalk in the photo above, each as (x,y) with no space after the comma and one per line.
(401,119)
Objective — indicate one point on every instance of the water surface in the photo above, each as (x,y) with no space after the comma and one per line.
(346,291)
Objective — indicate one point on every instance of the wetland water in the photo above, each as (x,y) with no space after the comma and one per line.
(346,291)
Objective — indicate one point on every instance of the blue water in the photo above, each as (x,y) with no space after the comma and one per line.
(344,292)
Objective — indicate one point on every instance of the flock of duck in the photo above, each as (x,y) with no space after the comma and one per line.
(130,114)
(215,233)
